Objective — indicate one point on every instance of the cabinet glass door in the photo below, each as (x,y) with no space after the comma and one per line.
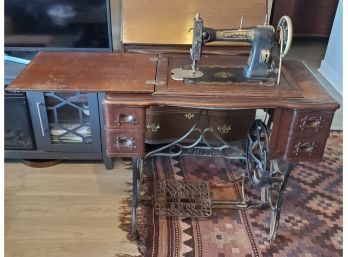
(65,121)
(68,118)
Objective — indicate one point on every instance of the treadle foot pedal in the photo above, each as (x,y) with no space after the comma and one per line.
(182,199)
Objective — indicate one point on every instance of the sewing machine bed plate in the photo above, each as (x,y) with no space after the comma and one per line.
(226,75)
(204,86)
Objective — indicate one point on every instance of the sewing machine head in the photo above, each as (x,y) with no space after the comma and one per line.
(268,47)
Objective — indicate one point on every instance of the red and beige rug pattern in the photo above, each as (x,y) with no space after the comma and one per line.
(311,218)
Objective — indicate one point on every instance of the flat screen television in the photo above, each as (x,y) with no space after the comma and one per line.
(57,25)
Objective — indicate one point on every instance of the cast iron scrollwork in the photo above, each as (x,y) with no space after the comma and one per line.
(264,173)
(258,163)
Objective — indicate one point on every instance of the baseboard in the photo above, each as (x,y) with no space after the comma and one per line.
(332,76)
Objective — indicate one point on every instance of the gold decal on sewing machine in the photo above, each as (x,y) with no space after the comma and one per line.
(235,34)
(223,74)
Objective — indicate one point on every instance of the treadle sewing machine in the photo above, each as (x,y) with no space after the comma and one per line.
(267,46)
(298,111)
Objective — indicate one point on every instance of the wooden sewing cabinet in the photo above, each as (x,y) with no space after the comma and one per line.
(300,111)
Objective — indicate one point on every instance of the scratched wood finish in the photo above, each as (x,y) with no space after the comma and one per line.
(87,72)
(157,22)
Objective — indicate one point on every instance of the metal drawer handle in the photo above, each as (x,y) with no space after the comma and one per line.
(311,122)
(125,142)
(126,118)
(304,148)
(224,129)
(153,127)
(40,118)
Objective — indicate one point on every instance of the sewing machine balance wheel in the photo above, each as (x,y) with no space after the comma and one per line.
(284,29)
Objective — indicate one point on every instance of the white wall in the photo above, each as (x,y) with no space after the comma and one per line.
(332,65)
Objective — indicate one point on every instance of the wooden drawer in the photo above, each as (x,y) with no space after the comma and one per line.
(125,143)
(164,124)
(305,148)
(314,122)
(121,117)
(295,132)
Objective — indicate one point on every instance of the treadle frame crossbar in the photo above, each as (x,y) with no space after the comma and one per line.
(262,172)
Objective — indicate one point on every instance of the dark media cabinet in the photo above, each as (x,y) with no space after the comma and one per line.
(51,125)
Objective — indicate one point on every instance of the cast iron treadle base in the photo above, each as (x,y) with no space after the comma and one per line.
(182,199)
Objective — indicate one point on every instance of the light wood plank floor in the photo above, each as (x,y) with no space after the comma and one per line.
(68,210)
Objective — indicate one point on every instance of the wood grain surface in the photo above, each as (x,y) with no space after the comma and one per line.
(309,18)
(87,72)
(127,73)
(169,22)
(67,210)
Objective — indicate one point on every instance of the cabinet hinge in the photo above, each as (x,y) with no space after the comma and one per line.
(155,82)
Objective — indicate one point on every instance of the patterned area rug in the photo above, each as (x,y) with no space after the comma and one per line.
(311,218)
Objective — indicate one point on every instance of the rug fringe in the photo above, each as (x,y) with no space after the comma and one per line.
(125,224)
(126,255)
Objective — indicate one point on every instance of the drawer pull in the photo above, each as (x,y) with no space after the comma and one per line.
(311,122)
(126,118)
(153,127)
(304,148)
(224,129)
(189,115)
(125,142)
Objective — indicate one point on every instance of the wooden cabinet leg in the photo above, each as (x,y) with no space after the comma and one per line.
(108,162)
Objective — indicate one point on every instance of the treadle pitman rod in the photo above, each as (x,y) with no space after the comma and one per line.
(191,199)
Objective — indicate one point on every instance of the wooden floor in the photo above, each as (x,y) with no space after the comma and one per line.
(69,210)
